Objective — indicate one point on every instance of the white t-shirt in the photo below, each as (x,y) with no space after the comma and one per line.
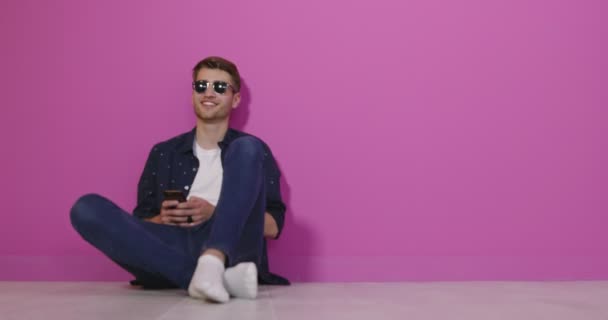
(208,181)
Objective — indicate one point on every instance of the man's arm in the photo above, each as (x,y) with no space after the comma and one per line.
(275,207)
(147,201)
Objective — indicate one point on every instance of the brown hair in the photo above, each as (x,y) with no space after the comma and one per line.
(222,64)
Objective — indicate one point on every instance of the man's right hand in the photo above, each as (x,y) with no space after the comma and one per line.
(166,214)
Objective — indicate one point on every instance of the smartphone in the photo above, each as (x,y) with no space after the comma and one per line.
(175,195)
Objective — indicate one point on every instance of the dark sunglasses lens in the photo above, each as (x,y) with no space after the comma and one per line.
(200,86)
(220,87)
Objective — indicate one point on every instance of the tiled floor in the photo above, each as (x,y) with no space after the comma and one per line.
(410,300)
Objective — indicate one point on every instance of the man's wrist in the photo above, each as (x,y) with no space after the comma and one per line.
(155,219)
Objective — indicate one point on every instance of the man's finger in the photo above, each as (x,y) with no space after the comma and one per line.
(198,202)
(183,212)
(191,224)
(167,204)
(196,199)
(176,212)
(196,220)
(167,220)
(187,205)
(180,219)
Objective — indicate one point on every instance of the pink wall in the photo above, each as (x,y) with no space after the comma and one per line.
(420,140)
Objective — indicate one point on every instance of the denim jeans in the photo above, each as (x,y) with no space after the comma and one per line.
(164,255)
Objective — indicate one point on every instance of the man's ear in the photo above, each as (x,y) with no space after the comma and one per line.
(236,100)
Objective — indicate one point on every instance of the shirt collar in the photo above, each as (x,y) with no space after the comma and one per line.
(188,142)
(231,134)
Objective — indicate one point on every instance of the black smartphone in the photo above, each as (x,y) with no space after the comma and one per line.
(175,195)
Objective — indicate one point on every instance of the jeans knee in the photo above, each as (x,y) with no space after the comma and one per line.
(247,146)
(85,211)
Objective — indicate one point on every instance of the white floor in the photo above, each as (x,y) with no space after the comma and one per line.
(409,300)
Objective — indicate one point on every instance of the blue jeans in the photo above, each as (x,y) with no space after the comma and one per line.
(165,256)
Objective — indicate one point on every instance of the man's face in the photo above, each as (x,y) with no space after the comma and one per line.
(210,106)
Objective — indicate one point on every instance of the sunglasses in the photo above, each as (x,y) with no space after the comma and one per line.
(220,87)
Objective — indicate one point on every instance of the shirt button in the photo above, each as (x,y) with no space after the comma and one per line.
(187,187)
(194,169)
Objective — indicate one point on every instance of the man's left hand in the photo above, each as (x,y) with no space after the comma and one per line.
(200,210)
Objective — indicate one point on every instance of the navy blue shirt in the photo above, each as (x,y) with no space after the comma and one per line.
(172,165)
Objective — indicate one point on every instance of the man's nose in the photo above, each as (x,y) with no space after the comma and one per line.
(210,92)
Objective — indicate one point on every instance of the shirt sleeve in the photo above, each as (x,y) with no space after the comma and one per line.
(274,202)
(147,194)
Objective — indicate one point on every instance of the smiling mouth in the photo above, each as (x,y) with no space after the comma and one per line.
(208,104)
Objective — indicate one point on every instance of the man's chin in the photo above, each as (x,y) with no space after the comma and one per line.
(211,116)
(211,119)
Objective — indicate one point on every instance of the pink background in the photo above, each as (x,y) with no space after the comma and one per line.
(419,140)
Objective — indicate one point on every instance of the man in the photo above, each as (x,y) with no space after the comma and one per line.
(212,244)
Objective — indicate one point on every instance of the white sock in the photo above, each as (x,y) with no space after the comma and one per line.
(241,281)
(207,281)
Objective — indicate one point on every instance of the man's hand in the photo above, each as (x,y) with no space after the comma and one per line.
(271,230)
(176,213)
(199,209)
